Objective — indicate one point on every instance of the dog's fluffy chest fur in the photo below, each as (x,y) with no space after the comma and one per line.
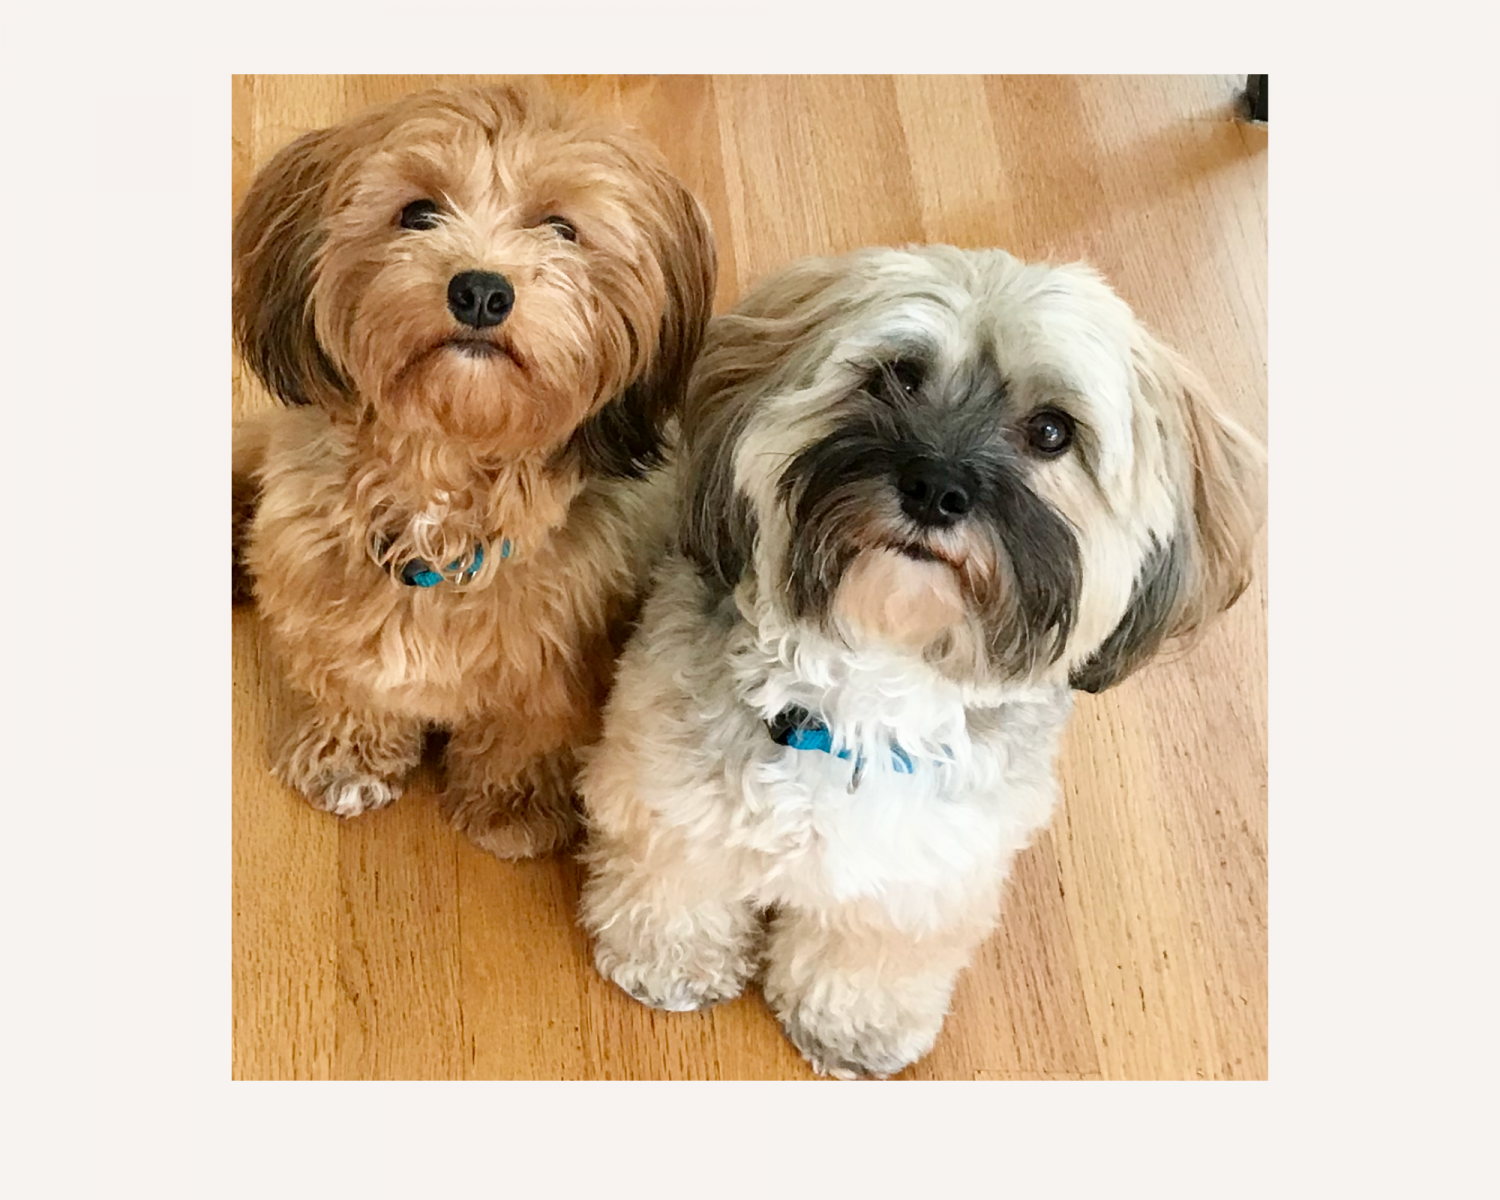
(914,842)
(537,623)
(911,841)
(914,829)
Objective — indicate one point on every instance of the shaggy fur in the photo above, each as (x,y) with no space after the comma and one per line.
(415,438)
(886,525)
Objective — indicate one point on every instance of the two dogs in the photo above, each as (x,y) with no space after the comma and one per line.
(919,497)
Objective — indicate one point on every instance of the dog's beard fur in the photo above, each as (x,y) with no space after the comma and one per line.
(1007,575)
(814,397)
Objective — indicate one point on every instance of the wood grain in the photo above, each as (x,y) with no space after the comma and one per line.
(1134,939)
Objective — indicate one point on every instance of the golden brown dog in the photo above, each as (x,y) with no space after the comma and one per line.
(481,308)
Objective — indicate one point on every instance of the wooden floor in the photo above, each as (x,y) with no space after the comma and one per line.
(1134,941)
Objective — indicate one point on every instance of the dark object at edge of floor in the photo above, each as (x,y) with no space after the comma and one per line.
(1253,103)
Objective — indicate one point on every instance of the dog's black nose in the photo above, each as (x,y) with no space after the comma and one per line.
(480,298)
(934,494)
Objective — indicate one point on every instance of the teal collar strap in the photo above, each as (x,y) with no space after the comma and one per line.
(416,572)
(801,730)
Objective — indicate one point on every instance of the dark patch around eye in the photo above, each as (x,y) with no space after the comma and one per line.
(830,486)
(564,227)
(898,378)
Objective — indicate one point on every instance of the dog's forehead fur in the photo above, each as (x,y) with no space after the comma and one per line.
(500,158)
(986,329)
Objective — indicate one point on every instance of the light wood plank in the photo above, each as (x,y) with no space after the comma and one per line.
(399,944)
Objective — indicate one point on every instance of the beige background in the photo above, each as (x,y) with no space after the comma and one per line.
(1134,942)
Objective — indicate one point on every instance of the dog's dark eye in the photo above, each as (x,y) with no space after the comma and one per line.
(1049,432)
(901,377)
(907,374)
(563,226)
(420,214)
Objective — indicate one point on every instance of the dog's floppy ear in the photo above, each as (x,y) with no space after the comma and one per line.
(718,525)
(1147,622)
(277,236)
(1217,474)
(626,436)
(747,352)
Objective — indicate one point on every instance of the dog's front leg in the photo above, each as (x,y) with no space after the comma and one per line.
(511,803)
(667,924)
(348,762)
(511,769)
(857,995)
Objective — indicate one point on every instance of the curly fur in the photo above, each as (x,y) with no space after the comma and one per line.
(408,435)
(856,891)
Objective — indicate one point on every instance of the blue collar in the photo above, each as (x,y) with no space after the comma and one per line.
(799,729)
(416,572)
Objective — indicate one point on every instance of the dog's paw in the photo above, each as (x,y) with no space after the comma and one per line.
(512,832)
(841,1051)
(669,988)
(345,763)
(351,795)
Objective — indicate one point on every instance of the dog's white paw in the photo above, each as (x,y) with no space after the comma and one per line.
(351,795)
(841,1051)
(669,989)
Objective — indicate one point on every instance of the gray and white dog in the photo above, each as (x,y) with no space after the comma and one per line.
(927,493)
